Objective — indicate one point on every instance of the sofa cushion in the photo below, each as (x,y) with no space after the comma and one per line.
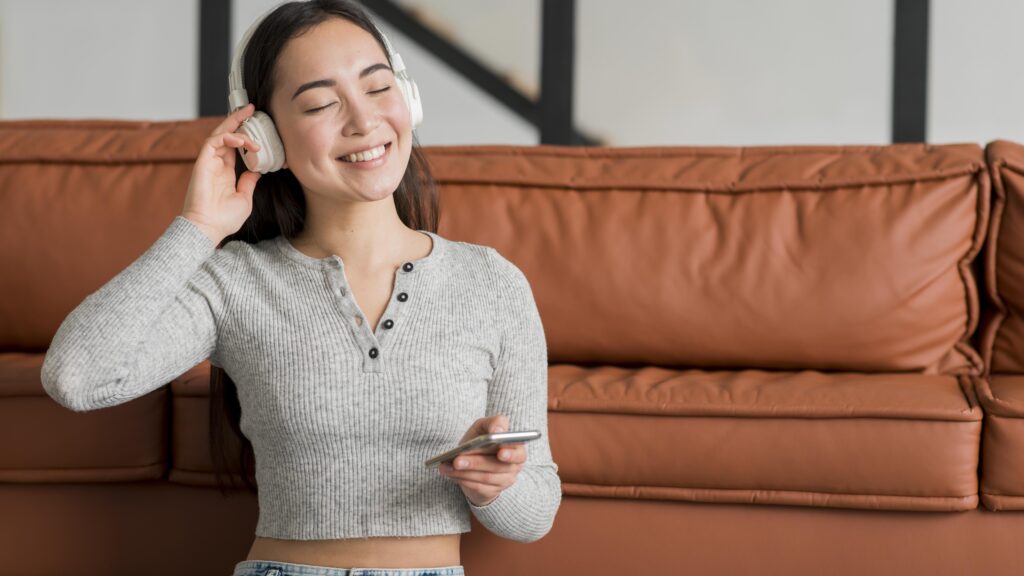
(1002,331)
(846,258)
(1002,445)
(82,200)
(46,442)
(870,441)
(887,442)
(764,254)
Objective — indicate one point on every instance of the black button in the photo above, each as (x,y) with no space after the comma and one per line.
(407,267)
(389,323)
(403,297)
(373,352)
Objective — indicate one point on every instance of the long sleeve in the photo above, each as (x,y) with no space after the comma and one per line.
(525,511)
(149,324)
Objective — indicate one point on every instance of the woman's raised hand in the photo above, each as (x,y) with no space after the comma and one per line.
(214,201)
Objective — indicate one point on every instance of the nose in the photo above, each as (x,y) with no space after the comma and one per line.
(362,118)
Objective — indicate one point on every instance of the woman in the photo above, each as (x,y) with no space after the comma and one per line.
(362,342)
(351,212)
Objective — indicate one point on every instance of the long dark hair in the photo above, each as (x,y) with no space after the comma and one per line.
(279,206)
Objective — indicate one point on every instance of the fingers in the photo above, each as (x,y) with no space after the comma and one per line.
(502,453)
(247,182)
(234,119)
(507,458)
(491,478)
(238,139)
(489,424)
(496,423)
(220,143)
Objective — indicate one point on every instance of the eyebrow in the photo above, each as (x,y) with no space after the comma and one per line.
(329,82)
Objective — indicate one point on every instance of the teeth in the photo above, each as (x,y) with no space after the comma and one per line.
(364,156)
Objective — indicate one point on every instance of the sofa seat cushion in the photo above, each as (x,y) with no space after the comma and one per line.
(46,442)
(1002,446)
(838,440)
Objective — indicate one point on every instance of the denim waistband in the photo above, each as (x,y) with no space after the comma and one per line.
(276,568)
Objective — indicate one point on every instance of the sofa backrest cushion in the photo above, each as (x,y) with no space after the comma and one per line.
(82,199)
(845,258)
(801,257)
(1002,330)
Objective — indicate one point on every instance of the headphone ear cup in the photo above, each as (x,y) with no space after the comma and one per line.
(411,95)
(417,104)
(260,129)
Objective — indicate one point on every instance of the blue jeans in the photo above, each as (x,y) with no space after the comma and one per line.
(275,568)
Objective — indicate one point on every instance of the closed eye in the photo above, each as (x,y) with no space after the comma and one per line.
(384,89)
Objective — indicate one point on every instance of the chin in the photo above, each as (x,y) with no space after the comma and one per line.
(381,193)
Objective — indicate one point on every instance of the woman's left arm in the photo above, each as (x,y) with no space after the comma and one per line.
(519,496)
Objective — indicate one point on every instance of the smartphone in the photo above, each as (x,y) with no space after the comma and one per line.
(485,441)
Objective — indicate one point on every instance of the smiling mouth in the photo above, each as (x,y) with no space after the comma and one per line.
(387,148)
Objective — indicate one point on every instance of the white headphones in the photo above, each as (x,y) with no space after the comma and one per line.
(260,128)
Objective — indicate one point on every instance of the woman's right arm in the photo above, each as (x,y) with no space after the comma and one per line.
(158,317)
(148,325)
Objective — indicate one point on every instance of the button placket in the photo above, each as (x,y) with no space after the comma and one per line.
(394,312)
(372,343)
(350,308)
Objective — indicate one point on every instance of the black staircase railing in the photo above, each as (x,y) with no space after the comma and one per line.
(910,71)
(214,56)
(558,51)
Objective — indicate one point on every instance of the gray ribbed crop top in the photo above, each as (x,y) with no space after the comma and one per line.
(341,418)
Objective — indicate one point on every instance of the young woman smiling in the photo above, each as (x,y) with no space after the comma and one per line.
(349,342)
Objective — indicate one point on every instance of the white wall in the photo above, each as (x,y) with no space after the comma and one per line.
(687,72)
(126,59)
(735,72)
(975,83)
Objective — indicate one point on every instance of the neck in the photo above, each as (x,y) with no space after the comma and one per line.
(368,236)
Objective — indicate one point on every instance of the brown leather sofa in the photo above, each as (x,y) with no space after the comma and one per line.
(767,360)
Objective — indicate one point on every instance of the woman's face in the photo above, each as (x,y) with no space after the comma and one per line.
(357,107)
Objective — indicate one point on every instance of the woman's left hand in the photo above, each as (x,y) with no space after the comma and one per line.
(486,475)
